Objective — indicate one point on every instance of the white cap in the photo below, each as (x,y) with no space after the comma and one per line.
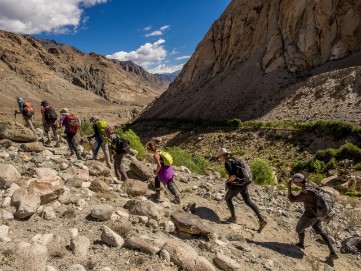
(298,178)
(222,151)
(65,111)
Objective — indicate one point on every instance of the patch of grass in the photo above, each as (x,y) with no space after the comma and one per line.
(326,155)
(134,140)
(194,163)
(355,194)
(349,151)
(316,177)
(357,166)
(262,172)
(239,152)
(86,129)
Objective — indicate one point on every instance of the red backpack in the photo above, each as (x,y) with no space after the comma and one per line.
(27,109)
(72,124)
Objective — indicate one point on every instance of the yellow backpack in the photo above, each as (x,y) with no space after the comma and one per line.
(167,158)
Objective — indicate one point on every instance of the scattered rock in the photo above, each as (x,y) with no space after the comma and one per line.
(351,245)
(97,168)
(26,202)
(110,238)
(45,172)
(49,188)
(141,170)
(76,173)
(33,147)
(141,245)
(16,132)
(145,208)
(31,257)
(202,264)
(189,223)
(8,175)
(182,255)
(135,188)
(102,212)
(76,267)
(225,263)
(99,186)
(80,246)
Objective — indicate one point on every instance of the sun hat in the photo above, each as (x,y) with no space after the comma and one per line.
(93,118)
(65,111)
(44,103)
(222,151)
(297,178)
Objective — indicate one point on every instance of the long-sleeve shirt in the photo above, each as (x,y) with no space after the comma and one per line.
(229,165)
(308,198)
(21,105)
(96,131)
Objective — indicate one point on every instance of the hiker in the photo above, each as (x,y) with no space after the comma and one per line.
(71,127)
(99,127)
(27,111)
(239,177)
(50,121)
(119,148)
(309,217)
(164,171)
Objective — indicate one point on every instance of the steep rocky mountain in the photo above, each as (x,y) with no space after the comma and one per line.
(270,60)
(154,81)
(169,77)
(39,69)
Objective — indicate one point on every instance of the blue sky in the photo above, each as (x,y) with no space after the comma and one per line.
(160,35)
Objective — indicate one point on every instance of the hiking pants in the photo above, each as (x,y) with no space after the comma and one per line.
(73,145)
(233,191)
(105,148)
(30,125)
(170,186)
(119,169)
(97,147)
(306,222)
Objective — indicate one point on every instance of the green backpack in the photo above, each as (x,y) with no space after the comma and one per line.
(167,158)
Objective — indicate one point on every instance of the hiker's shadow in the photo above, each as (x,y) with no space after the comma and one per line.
(281,248)
(206,213)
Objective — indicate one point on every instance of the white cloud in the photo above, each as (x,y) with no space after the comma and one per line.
(36,16)
(146,55)
(165,27)
(147,28)
(182,57)
(162,68)
(154,33)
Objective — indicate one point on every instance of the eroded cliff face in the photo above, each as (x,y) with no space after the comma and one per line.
(256,38)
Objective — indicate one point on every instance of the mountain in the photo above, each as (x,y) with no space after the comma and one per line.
(153,81)
(169,77)
(272,60)
(38,69)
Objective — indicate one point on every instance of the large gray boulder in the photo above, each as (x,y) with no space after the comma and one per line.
(16,132)
(140,169)
(188,223)
(26,201)
(145,208)
(8,175)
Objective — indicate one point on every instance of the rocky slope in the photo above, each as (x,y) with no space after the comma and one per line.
(154,81)
(58,213)
(39,69)
(281,59)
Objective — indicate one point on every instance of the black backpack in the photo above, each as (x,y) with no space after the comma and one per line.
(121,145)
(243,171)
(50,114)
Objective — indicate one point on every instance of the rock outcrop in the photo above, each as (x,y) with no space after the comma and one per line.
(263,59)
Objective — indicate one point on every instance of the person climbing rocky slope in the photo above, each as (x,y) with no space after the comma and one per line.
(272,60)
(58,213)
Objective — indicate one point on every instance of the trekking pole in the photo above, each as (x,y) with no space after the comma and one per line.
(168,192)
(15,115)
(177,189)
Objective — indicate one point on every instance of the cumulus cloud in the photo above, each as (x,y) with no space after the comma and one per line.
(146,55)
(36,16)
(182,57)
(165,27)
(154,33)
(147,28)
(163,68)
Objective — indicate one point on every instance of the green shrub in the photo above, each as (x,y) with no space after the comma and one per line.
(349,151)
(239,152)
(194,163)
(332,164)
(353,194)
(86,129)
(234,123)
(326,155)
(312,166)
(357,166)
(134,140)
(262,172)
(316,177)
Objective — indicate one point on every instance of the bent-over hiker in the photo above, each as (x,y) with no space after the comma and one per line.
(120,147)
(27,111)
(309,217)
(164,171)
(50,121)
(71,127)
(239,177)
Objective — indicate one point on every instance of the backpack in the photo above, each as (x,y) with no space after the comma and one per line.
(166,157)
(243,171)
(109,131)
(121,145)
(72,124)
(324,202)
(50,114)
(28,111)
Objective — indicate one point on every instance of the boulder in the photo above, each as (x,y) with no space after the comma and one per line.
(181,254)
(140,169)
(16,132)
(97,168)
(76,267)
(77,183)
(111,238)
(26,201)
(8,175)
(33,147)
(4,231)
(145,208)
(31,257)
(135,188)
(80,246)
(48,213)
(202,264)
(76,173)
(102,212)
(45,172)
(99,186)
(225,263)
(351,245)
(189,223)
(140,244)
(49,188)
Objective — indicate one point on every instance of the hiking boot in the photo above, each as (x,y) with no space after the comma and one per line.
(57,145)
(177,200)
(300,245)
(109,165)
(262,224)
(232,219)
(157,195)
(47,142)
(79,157)
(333,256)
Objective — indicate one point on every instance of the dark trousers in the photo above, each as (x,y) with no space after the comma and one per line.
(170,186)
(308,221)
(233,191)
(119,169)
(73,145)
